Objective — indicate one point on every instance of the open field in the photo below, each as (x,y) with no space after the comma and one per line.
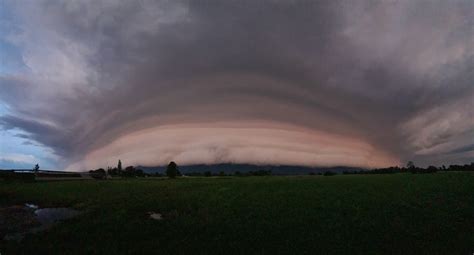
(344,214)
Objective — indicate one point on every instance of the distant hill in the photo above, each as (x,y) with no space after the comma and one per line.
(244,168)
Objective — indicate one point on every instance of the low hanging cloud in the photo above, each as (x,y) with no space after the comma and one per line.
(248,142)
(363,83)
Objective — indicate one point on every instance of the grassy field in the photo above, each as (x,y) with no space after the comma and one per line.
(345,214)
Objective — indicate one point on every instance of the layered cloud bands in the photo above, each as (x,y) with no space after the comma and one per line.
(361,83)
(242,142)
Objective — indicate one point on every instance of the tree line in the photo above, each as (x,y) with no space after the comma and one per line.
(118,171)
(411,168)
(172,171)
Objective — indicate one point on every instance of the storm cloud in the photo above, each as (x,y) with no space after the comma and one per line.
(361,83)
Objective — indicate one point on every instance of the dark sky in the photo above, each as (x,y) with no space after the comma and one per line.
(360,83)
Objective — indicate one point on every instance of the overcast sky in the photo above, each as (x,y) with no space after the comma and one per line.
(319,83)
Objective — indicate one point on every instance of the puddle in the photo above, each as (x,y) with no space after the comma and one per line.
(48,216)
(17,221)
(155,215)
(31,206)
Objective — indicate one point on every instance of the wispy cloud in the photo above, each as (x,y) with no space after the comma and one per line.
(17,161)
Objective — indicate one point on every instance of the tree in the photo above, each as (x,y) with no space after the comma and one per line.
(129,171)
(36,169)
(110,171)
(172,170)
(98,174)
(119,166)
(431,169)
(329,173)
(410,165)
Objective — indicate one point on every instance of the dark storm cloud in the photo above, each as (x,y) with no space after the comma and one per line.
(464,149)
(390,73)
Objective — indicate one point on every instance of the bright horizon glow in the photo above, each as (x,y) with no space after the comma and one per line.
(260,143)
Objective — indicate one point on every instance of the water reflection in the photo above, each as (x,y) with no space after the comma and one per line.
(47,216)
(30,219)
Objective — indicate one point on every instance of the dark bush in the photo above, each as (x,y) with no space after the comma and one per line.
(261,172)
(131,171)
(172,170)
(98,174)
(113,171)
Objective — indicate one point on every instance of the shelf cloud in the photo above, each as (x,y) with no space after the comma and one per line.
(359,83)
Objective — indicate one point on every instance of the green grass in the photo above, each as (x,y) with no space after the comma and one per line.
(346,214)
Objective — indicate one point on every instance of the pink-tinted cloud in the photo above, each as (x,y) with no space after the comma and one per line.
(236,142)
(378,82)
